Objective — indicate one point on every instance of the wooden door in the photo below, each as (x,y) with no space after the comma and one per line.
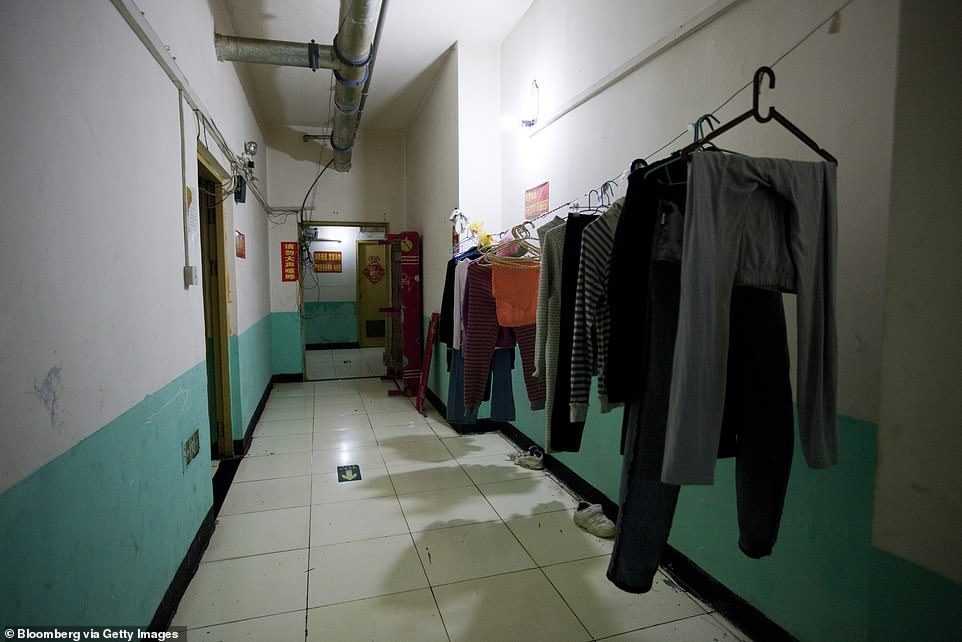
(373,292)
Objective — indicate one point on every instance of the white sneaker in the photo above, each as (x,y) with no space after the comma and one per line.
(534,461)
(592,518)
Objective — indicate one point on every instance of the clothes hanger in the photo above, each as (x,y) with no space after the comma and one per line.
(773,114)
(517,250)
(666,164)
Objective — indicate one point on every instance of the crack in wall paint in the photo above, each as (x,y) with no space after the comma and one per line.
(182,395)
(49,392)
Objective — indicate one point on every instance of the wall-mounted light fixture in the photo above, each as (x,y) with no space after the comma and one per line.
(530,114)
(247,158)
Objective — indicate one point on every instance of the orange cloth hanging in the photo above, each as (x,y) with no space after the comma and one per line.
(515,289)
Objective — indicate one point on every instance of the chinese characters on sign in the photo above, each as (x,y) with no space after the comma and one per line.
(327,262)
(288,261)
(536,201)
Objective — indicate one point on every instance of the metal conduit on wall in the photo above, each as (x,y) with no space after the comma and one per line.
(351,57)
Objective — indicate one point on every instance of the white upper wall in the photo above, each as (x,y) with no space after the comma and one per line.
(431,150)
(479,132)
(372,192)
(93,311)
(187,28)
(838,88)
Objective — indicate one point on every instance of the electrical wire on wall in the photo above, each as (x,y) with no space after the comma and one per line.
(833,17)
(237,166)
(304,243)
(306,258)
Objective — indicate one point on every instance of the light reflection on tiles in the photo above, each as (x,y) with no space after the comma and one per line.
(442,537)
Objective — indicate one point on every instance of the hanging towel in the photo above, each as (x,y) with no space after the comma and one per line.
(515,289)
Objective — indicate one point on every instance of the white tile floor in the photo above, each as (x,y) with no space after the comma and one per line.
(322,365)
(442,538)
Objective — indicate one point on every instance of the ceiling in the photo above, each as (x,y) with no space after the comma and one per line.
(415,35)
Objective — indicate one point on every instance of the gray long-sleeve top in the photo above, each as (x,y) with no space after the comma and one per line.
(766,223)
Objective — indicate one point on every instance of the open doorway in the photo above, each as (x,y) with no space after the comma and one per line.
(213,276)
(346,327)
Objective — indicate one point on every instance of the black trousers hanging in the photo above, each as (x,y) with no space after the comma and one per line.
(566,434)
(758,429)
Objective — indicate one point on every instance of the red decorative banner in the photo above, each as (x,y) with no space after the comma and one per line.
(240,245)
(536,201)
(329,262)
(410,245)
(289,261)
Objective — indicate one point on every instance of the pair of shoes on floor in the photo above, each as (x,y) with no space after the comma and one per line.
(592,518)
(533,458)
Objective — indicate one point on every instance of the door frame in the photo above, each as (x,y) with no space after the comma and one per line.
(225,435)
(300,235)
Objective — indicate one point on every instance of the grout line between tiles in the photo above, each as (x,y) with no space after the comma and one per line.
(252,555)
(651,626)
(310,520)
(538,566)
(243,619)
(570,608)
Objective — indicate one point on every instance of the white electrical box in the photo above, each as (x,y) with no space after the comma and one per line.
(190,275)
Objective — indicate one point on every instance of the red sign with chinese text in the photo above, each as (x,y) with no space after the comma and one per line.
(289,271)
(536,201)
(329,262)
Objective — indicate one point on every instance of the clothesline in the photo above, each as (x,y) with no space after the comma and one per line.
(689,129)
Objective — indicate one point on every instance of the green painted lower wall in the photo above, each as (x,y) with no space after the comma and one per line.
(95,536)
(825,581)
(334,322)
(330,322)
(251,365)
(287,343)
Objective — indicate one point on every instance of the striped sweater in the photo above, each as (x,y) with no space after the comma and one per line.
(592,313)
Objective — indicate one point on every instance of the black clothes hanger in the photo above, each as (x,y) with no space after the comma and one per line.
(662,171)
(757,115)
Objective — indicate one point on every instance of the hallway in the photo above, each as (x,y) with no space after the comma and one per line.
(442,538)
(343,363)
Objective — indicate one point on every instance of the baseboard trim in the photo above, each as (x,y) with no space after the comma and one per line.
(223,477)
(570,478)
(682,570)
(226,469)
(736,610)
(480,426)
(185,573)
(241,446)
(350,345)
(292,377)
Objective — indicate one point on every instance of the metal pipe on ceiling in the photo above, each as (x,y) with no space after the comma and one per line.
(351,57)
(353,48)
(272,52)
(370,68)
